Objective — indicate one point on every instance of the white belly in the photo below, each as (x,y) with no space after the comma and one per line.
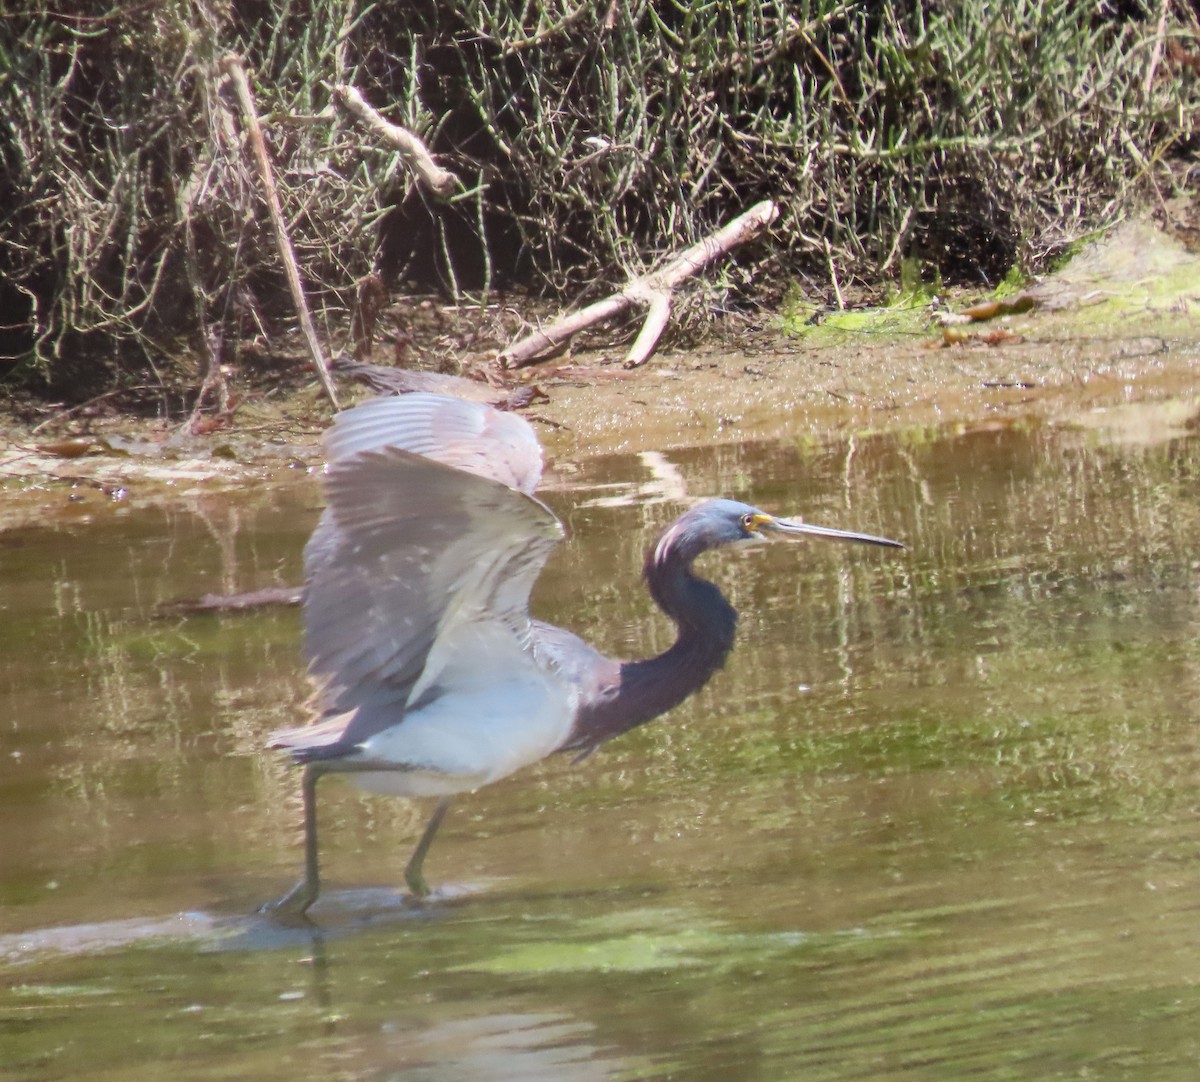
(468,738)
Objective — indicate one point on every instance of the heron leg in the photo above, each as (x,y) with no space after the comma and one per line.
(296,901)
(412,872)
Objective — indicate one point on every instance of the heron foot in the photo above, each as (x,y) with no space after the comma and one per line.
(293,906)
(412,873)
(415,881)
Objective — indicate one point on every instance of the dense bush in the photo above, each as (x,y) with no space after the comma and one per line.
(590,139)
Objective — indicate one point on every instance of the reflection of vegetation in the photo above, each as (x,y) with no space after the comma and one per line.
(1033,652)
(1039,636)
(967,848)
(121,708)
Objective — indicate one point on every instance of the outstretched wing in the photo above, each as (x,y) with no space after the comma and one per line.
(430,528)
(466,435)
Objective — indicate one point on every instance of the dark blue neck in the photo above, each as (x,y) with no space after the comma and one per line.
(705,624)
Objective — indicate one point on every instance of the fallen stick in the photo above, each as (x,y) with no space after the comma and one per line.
(413,152)
(653,290)
(233,67)
(255,599)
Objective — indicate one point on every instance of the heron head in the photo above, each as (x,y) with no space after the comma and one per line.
(722,522)
(717,523)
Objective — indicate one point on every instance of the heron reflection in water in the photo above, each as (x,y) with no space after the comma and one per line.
(432,677)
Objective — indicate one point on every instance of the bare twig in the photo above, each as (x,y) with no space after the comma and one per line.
(653,290)
(561,27)
(833,275)
(234,68)
(211,338)
(253,599)
(372,296)
(1160,35)
(80,407)
(413,152)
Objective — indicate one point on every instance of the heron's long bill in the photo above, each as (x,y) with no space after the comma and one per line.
(788,528)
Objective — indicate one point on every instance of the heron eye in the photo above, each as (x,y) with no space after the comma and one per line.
(748,523)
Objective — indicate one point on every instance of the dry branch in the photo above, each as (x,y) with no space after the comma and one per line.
(413,152)
(254,599)
(234,68)
(653,290)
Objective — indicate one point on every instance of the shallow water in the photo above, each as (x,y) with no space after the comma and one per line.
(939,818)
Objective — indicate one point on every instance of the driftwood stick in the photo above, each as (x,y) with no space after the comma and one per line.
(532,347)
(414,152)
(233,67)
(653,291)
(658,315)
(255,599)
(743,228)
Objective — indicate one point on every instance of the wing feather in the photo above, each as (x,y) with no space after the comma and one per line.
(466,435)
(430,528)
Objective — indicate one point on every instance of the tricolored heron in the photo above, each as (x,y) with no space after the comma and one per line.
(432,677)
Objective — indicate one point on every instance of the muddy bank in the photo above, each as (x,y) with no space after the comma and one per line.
(791,391)
(1116,328)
